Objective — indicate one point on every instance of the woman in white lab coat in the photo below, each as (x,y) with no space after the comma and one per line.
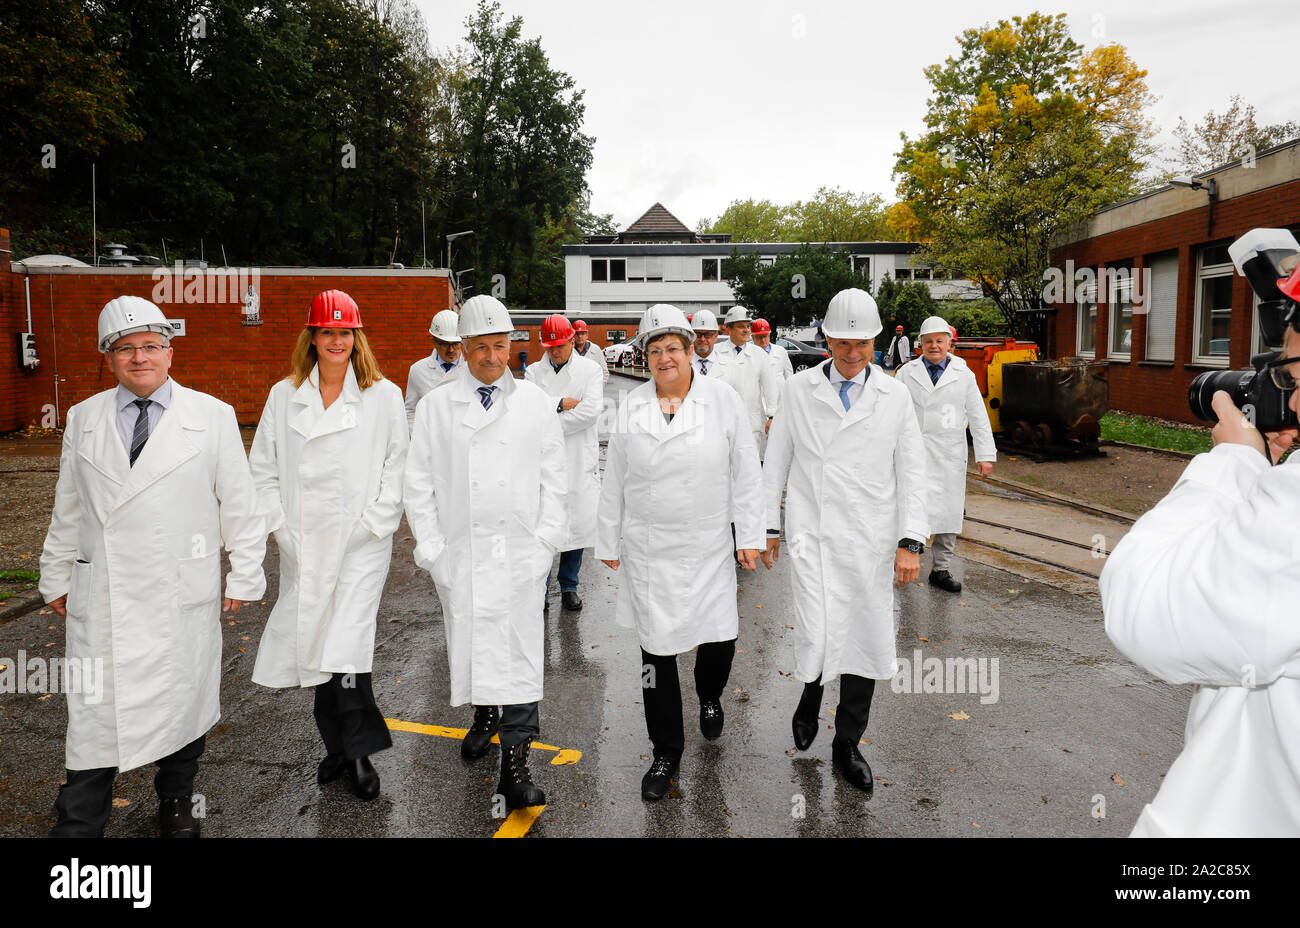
(681,466)
(327,461)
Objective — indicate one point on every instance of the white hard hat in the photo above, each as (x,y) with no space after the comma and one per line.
(704,321)
(737,314)
(852,313)
(445,326)
(935,325)
(663,319)
(484,315)
(129,314)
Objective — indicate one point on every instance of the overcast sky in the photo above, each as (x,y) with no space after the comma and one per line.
(695,103)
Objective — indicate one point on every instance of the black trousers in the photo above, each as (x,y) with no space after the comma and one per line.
(348,720)
(519,722)
(854,710)
(661,691)
(84,802)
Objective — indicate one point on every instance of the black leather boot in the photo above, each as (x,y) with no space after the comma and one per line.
(516,783)
(805,722)
(570,601)
(945,581)
(330,769)
(848,760)
(487,720)
(176,818)
(658,779)
(711,718)
(362,778)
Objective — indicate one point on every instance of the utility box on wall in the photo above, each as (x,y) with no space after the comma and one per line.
(27,351)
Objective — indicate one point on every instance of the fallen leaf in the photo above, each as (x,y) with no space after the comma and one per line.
(926,640)
(121,803)
(790,626)
(46,612)
(952,769)
(791,752)
(994,606)
(1044,799)
(758,607)
(1117,779)
(865,741)
(975,824)
(46,696)
(959,716)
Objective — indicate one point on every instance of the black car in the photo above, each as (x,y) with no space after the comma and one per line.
(802,356)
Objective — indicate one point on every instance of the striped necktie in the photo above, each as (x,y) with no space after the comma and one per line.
(141,433)
(844,393)
(704,367)
(485,396)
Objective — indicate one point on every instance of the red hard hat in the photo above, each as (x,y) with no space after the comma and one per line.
(953,330)
(555,330)
(1291,285)
(579,325)
(761,327)
(898,328)
(334,309)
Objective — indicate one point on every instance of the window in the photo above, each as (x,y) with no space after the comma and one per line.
(636,269)
(1085,302)
(921,273)
(1118,293)
(862,264)
(599,270)
(616,335)
(654,268)
(1213,304)
(1161,305)
(766,261)
(617,269)
(709,268)
(902,273)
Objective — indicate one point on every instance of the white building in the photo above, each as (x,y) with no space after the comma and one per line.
(657,259)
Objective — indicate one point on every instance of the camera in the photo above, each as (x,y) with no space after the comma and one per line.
(1263,257)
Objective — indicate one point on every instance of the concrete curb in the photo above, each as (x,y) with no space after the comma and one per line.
(19,605)
(1168,452)
(1080,505)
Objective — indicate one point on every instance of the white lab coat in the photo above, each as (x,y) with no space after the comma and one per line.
(594,353)
(580,379)
(856,487)
(899,352)
(1203,590)
(752,375)
(485,501)
(329,483)
(425,374)
(780,359)
(943,411)
(670,494)
(137,550)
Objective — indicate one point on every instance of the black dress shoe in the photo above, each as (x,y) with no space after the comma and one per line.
(176,818)
(487,720)
(330,769)
(711,719)
(805,723)
(571,601)
(362,778)
(945,581)
(658,779)
(848,760)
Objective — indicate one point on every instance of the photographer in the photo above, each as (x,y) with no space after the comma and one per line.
(1201,590)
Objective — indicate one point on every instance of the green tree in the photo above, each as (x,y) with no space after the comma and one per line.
(795,288)
(905,304)
(832,215)
(750,221)
(1219,139)
(1026,135)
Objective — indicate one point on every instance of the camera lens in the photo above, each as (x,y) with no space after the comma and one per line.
(1235,383)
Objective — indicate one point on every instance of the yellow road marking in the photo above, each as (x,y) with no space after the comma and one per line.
(519,821)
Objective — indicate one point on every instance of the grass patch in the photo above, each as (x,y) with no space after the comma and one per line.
(20,575)
(17,581)
(1155,433)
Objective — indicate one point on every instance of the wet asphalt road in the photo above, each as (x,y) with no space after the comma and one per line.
(1072,720)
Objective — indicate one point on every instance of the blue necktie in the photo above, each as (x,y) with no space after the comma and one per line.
(935,372)
(446,367)
(485,396)
(844,393)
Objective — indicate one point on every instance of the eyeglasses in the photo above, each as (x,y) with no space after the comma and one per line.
(671,351)
(128,351)
(1282,378)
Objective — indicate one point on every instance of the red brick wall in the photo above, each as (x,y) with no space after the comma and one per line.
(1153,388)
(218,354)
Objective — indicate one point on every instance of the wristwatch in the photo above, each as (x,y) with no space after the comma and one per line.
(559,407)
(915,547)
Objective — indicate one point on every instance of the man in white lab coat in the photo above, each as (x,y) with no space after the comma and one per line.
(705,360)
(484,495)
(947,400)
(899,351)
(847,451)
(153,481)
(762,333)
(749,370)
(576,385)
(446,360)
(588,349)
(1200,591)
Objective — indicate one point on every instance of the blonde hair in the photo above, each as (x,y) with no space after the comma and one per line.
(305,358)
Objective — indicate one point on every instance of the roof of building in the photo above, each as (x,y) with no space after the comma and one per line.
(658,219)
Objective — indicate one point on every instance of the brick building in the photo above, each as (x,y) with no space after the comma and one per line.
(1148,285)
(218,353)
